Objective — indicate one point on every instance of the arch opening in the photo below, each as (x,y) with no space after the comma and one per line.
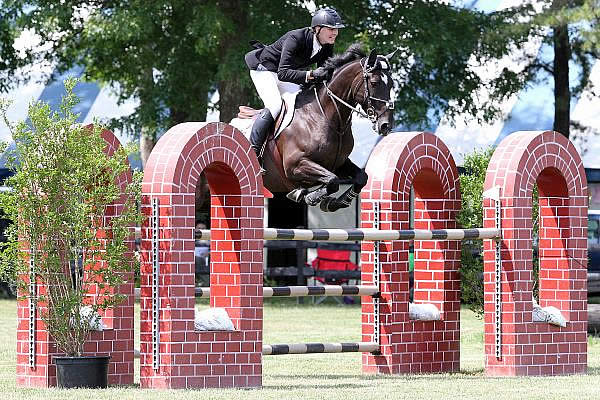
(554,232)
(201,221)
(431,210)
(225,244)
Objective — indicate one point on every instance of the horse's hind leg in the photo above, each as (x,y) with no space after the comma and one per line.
(309,172)
(359,180)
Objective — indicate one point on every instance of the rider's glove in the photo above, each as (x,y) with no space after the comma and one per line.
(320,74)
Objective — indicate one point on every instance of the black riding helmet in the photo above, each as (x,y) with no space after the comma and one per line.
(327,17)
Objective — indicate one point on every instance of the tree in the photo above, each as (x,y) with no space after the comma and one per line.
(441,48)
(171,55)
(471,216)
(146,50)
(569,27)
(559,27)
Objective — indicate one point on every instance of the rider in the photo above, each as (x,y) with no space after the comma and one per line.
(280,67)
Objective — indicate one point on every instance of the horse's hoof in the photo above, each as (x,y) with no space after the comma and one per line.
(331,204)
(297,195)
(326,203)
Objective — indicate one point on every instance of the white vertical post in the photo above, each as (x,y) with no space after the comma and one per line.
(155,285)
(32,309)
(498,279)
(376,279)
(494,195)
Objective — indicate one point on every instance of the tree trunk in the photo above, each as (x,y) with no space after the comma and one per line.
(232,92)
(231,95)
(147,143)
(562,55)
(562,92)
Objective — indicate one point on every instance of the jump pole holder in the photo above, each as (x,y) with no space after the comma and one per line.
(155,284)
(494,194)
(32,309)
(376,282)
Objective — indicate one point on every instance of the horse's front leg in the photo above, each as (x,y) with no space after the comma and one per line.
(310,173)
(359,180)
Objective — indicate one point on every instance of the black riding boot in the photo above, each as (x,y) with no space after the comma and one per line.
(260,130)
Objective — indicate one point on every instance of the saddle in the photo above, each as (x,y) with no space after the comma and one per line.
(283,119)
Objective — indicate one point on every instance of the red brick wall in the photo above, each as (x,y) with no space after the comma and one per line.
(116,341)
(398,162)
(190,359)
(538,348)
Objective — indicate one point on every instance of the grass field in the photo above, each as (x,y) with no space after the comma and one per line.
(330,376)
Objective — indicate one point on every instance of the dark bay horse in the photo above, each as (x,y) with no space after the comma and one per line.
(310,157)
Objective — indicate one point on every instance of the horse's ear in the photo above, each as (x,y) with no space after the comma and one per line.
(372,58)
(392,54)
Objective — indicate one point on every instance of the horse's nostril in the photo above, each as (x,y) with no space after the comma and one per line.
(384,128)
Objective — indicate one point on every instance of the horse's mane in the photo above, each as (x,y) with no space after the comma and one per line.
(353,53)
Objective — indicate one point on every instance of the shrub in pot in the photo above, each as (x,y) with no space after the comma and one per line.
(63,184)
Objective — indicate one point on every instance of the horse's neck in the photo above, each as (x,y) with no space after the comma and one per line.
(334,110)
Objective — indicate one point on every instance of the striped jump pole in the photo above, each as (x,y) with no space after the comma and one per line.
(297,291)
(306,348)
(344,235)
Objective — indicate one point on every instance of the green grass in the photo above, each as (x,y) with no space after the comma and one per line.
(331,376)
(594,300)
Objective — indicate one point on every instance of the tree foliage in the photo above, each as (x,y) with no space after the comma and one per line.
(443,49)
(11,59)
(171,55)
(471,216)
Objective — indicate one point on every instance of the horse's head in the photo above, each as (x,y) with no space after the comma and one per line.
(378,84)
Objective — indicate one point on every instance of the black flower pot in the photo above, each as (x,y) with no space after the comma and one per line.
(82,372)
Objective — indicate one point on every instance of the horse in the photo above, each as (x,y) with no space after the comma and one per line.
(310,157)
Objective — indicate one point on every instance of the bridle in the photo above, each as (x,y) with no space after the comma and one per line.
(371,113)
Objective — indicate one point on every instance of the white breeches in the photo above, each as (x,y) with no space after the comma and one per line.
(270,89)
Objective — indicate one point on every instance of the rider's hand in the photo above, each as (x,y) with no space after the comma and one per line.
(320,74)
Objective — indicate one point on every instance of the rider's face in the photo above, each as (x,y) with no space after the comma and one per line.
(327,35)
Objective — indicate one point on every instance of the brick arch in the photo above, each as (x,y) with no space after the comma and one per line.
(189,358)
(520,161)
(179,157)
(521,157)
(116,341)
(399,162)
(112,145)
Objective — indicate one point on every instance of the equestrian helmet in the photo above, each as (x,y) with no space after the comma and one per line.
(327,17)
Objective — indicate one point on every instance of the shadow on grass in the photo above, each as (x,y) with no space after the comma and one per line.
(479,373)
(593,371)
(316,386)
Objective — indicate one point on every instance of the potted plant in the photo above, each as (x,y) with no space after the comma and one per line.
(64,182)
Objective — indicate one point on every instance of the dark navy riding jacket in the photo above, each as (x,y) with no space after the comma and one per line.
(289,56)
